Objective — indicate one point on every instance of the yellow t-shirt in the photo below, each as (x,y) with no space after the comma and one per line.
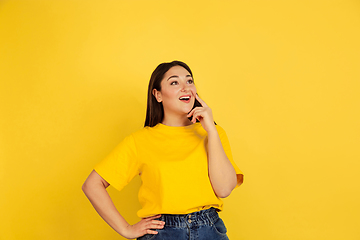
(172,163)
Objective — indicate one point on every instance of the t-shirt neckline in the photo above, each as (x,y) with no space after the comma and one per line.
(177,128)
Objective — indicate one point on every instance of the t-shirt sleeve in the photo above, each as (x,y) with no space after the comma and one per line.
(121,165)
(226,145)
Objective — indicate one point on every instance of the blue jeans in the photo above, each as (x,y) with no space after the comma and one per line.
(202,225)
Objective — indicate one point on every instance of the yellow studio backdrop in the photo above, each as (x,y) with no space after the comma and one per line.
(282,78)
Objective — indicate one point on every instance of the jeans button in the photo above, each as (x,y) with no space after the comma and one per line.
(189,221)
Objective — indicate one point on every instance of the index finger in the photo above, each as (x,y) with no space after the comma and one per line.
(153,217)
(200,101)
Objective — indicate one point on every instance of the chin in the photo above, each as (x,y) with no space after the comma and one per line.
(187,110)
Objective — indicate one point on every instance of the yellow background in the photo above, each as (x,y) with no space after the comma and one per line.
(282,78)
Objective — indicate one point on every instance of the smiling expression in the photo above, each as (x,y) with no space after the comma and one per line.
(177,91)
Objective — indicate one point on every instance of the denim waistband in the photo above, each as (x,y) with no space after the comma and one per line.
(203,217)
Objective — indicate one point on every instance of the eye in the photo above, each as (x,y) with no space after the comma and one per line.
(190,81)
(174,83)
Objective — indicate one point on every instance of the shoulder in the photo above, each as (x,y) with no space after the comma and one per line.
(131,138)
(141,132)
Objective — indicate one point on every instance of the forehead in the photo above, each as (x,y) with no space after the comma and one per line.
(176,70)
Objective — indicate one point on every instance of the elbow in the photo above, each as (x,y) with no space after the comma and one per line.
(84,187)
(93,184)
(87,189)
(224,193)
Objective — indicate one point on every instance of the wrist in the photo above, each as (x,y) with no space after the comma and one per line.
(212,130)
(126,231)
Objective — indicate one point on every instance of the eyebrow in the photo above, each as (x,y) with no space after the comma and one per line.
(176,76)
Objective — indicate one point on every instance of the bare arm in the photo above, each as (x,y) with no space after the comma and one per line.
(95,190)
(221,172)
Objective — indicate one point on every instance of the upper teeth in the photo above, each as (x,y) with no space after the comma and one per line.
(185,98)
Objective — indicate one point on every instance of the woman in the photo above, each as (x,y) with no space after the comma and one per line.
(184,161)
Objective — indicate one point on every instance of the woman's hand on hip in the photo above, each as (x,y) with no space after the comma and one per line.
(144,226)
(203,114)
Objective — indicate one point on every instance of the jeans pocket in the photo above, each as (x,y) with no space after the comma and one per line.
(219,227)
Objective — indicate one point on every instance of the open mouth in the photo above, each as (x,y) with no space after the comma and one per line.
(185,99)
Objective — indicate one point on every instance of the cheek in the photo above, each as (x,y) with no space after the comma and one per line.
(169,94)
(193,89)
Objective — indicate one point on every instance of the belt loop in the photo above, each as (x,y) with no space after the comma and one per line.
(215,215)
(208,216)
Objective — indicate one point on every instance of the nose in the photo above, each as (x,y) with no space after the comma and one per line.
(188,89)
(184,87)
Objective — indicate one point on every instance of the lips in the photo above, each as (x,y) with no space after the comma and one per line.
(185,98)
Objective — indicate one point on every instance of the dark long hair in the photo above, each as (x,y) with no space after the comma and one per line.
(155,110)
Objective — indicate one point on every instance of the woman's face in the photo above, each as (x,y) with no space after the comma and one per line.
(177,91)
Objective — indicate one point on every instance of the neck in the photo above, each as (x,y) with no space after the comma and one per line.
(176,121)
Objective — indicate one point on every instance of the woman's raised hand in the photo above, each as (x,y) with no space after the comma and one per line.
(143,227)
(203,114)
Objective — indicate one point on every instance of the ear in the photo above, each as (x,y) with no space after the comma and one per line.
(157,95)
